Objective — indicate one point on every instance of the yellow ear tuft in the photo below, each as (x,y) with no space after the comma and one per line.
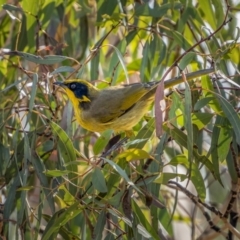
(84,99)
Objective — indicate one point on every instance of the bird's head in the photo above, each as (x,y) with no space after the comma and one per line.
(77,89)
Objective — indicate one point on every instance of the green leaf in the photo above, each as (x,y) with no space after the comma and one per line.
(62,69)
(181,139)
(10,7)
(10,203)
(114,67)
(32,8)
(208,14)
(231,115)
(67,151)
(156,55)
(116,199)
(196,176)
(188,123)
(109,236)
(56,173)
(99,227)
(40,169)
(133,154)
(180,40)
(105,7)
(33,92)
(84,33)
(214,143)
(208,92)
(4,158)
(143,135)
(123,174)
(145,64)
(165,218)
(142,219)
(121,60)
(95,66)
(98,180)
(61,218)
(202,103)
(46,60)
(201,119)
(198,182)
(157,11)
(224,140)
(102,142)
(186,60)
(166,176)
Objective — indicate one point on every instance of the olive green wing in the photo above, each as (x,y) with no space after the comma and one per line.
(113,103)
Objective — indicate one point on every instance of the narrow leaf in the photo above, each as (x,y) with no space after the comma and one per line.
(142,219)
(60,218)
(186,60)
(133,154)
(98,180)
(99,227)
(122,173)
(67,151)
(231,115)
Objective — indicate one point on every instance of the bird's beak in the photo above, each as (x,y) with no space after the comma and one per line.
(61,84)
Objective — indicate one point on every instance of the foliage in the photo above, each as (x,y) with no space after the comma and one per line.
(58,180)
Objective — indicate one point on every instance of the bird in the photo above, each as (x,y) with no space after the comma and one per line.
(118,108)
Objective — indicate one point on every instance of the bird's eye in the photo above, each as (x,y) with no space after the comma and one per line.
(73,86)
